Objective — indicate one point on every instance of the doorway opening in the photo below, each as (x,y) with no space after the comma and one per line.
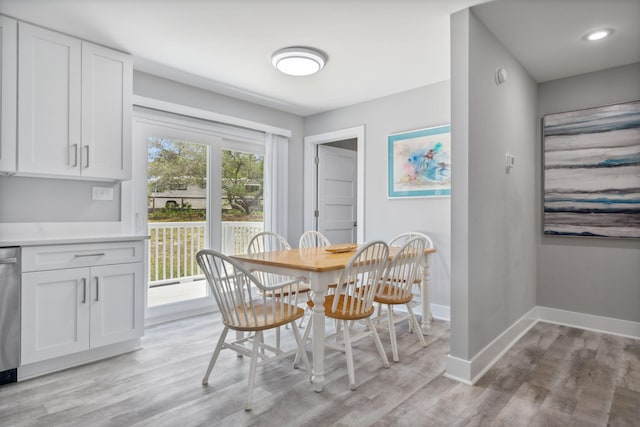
(337,143)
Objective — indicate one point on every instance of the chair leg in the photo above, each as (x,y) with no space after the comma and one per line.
(379,313)
(392,333)
(307,311)
(376,338)
(305,337)
(301,350)
(239,336)
(416,325)
(215,354)
(278,340)
(349,355)
(257,339)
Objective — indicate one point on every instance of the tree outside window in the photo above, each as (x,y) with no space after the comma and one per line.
(177,177)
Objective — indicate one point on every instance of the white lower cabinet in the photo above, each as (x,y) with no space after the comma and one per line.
(71,310)
(117,294)
(55,313)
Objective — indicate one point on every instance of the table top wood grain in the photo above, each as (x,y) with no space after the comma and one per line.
(308,259)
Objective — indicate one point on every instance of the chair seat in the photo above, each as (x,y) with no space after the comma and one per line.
(268,316)
(342,303)
(387,297)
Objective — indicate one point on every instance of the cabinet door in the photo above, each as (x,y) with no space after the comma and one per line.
(55,313)
(8,82)
(49,102)
(106,112)
(117,306)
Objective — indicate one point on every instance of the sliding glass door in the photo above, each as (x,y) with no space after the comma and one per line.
(203,191)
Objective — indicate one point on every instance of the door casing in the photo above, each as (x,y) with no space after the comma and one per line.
(310,178)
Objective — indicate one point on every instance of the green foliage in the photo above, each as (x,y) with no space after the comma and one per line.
(175,164)
(178,214)
(242,182)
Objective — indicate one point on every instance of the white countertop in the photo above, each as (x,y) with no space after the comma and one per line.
(71,241)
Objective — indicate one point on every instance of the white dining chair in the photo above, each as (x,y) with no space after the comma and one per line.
(313,239)
(400,240)
(245,310)
(396,288)
(352,300)
(267,241)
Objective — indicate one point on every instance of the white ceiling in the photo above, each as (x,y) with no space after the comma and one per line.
(546,36)
(375,47)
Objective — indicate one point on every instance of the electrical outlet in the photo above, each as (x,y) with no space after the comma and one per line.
(102,193)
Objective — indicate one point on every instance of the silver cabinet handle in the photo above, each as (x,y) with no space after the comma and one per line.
(87,159)
(75,155)
(8,260)
(88,255)
(84,290)
(97,290)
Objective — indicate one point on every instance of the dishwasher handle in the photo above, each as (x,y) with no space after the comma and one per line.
(8,260)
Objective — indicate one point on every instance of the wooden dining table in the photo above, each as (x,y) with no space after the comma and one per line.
(319,268)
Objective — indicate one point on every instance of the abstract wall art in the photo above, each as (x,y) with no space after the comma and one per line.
(592,172)
(420,163)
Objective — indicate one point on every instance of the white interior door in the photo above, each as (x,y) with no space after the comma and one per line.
(337,194)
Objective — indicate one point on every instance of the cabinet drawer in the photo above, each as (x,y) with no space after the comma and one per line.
(37,258)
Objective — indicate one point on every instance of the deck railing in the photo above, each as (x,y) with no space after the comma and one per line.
(173,247)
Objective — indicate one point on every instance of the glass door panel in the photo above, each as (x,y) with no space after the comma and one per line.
(178,228)
(242,199)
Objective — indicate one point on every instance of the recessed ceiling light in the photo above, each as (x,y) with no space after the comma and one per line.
(298,61)
(597,35)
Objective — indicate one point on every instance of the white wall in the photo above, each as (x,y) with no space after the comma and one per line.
(155,87)
(588,275)
(384,218)
(494,233)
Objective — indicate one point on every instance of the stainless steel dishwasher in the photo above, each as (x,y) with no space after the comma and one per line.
(9,314)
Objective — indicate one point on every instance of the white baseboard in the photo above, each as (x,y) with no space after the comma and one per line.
(170,316)
(441,312)
(590,322)
(470,371)
(458,370)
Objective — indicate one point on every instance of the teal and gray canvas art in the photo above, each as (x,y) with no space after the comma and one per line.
(592,172)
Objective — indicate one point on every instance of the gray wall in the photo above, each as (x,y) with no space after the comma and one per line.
(384,218)
(588,275)
(167,90)
(55,200)
(496,278)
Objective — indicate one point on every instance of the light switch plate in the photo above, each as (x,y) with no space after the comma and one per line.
(102,193)
(509,162)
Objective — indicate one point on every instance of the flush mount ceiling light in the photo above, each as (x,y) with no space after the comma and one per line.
(298,61)
(597,35)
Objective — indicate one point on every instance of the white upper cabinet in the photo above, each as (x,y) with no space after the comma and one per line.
(106,112)
(74,107)
(8,82)
(49,97)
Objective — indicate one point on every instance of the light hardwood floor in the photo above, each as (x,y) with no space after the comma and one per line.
(554,376)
